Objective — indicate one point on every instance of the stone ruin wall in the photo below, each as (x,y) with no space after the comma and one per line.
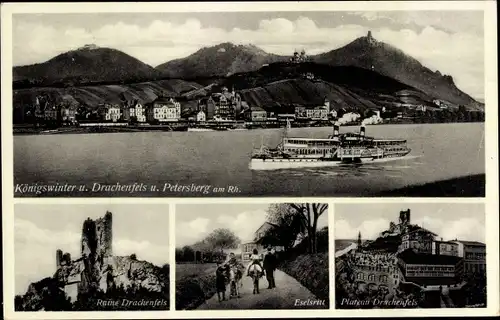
(96,254)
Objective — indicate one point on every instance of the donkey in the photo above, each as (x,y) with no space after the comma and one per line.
(256,273)
(235,281)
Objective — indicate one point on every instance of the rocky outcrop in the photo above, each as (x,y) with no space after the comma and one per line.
(71,281)
(97,274)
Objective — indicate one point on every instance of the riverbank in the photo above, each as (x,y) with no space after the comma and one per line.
(94,129)
(30,130)
(469,186)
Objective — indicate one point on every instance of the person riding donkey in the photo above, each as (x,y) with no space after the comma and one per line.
(235,273)
(231,261)
(255,264)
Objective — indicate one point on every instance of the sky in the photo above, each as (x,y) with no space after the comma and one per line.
(193,222)
(42,229)
(448,221)
(449,41)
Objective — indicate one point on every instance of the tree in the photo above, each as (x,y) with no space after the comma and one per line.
(288,226)
(305,214)
(223,239)
(188,253)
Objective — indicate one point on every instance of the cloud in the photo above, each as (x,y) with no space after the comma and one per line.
(370,229)
(460,54)
(187,233)
(242,224)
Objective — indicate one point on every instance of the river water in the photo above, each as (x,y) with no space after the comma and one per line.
(194,163)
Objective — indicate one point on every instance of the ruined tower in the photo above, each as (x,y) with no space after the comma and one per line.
(404,217)
(97,239)
(59,257)
(62,259)
(97,236)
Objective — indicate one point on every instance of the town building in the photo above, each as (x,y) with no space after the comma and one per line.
(110,112)
(201,117)
(207,105)
(474,255)
(300,112)
(445,248)
(68,114)
(255,114)
(298,58)
(227,104)
(256,243)
(429,269)
(50,113)
(419,241)
(421,108)
(373,277)
(164,109)
(136,111)
(326,104)
(317,113)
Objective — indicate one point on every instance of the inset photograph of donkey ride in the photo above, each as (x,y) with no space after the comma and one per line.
(252,256)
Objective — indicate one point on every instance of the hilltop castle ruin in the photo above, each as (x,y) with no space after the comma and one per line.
(97,269)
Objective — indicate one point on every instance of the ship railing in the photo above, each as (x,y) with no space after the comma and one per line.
(353,151)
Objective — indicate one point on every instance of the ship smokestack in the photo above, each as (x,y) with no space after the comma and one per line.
(362,132)
(336,126)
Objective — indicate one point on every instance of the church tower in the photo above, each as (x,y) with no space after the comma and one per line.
(359,239)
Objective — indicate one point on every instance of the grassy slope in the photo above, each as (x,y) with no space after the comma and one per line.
(93,95)
(195,283)
(311,270)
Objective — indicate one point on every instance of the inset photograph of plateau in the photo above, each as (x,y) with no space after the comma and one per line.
(239,104)
(410,256)
(91,257)
(251,256)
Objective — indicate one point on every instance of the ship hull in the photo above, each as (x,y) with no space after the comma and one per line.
(282,163)
(297,163)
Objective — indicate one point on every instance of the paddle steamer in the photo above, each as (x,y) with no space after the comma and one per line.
(351,147)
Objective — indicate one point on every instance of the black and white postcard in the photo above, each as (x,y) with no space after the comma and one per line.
(258,256)
(408,255)
(91,257)
(247,159)
(236,104)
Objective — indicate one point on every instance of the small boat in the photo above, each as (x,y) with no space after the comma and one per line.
(336,149)
(49,131)
(199,129)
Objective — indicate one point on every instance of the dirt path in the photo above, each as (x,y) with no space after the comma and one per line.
(282,297)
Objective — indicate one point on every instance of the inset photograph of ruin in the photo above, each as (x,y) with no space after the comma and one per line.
(251,256)
(408,255)
(91,257)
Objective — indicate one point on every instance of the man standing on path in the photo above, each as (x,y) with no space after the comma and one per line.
(270,263)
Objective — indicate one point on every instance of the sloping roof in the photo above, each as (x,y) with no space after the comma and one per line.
(256,108)
(409,256)
(470,243)
(432,281)
(164,100)
(189,112)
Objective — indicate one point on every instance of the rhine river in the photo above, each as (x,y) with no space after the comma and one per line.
(194,163)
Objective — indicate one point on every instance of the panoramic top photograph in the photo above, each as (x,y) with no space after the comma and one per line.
(239,104)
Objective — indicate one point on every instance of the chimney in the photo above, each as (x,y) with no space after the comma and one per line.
(362,132)
(336,126)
